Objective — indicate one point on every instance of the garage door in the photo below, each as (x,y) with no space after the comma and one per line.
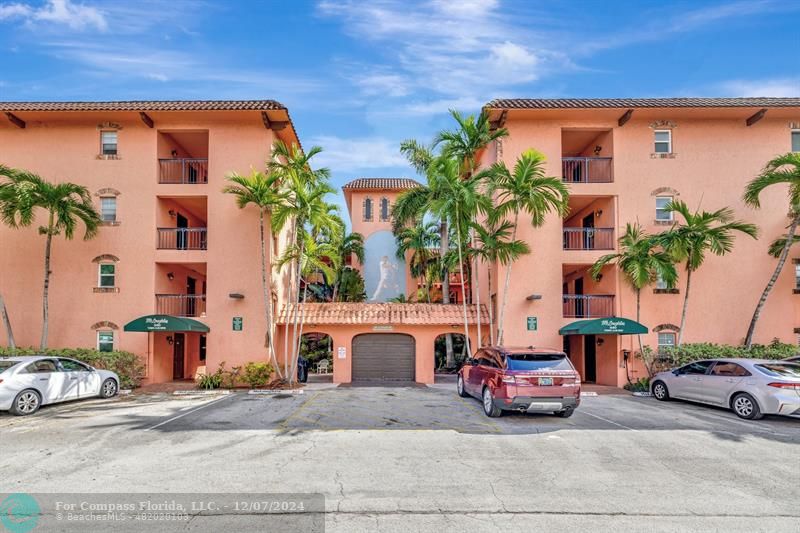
(383,357)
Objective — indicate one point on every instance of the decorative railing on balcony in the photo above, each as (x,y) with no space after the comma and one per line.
(588,238)
(183,170)
(182,238)
(181,304)
(587,169)
(588,305)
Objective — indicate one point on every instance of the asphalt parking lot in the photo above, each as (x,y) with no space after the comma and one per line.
(421,458)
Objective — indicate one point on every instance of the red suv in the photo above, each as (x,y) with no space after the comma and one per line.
(531,380)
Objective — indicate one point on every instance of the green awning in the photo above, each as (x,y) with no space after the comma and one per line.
(604,326)
(165,323)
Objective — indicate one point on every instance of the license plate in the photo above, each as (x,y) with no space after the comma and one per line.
(545,406)
(545,381)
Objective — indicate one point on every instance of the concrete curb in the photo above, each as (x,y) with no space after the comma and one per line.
(194,392)
(275,391)
(643,394)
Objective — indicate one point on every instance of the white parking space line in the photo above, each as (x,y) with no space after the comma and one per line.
(228,397)
(585,412)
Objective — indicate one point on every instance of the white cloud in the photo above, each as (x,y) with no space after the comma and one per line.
(349,155)
(777,87)
(75,16)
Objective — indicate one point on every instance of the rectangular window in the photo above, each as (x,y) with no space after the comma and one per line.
(108,140)
(663,141)
(108,209)
(660,283)
(107,275)
(368,210)
(384,209)
(795,140)
(105,341)
(665,340)
(797,276)
(661,204)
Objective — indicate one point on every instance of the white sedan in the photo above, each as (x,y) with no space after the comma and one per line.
(28,382)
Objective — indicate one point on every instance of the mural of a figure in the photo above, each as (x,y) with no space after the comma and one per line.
(384,273)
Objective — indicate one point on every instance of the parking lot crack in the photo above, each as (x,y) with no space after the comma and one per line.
(496,497)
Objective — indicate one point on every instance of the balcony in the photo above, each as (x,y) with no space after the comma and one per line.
(183,171)
(189,305)
(588,305)
(182,238)
(588,238)
(587,169)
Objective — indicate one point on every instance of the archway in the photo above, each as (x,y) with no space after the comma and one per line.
(317,349)
(440,350)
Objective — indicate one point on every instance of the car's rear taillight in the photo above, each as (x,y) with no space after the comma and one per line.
(779,385)
(508,379)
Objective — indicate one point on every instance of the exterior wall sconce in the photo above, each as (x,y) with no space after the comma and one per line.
(599,277)
(236,296)
(597,150)
(534,297)
(172,213)
(170,276)
(170,340)
(600,341)
(599,213)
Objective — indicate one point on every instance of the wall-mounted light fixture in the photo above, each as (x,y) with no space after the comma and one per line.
(599,277)
(534,297)
(598,213)
(600,341)
(170,340)
(598,149)
(236,296)
(170,276)
(172,213)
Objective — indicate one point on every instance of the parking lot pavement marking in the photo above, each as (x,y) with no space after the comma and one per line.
(585,412)
(215,401)
(285,423)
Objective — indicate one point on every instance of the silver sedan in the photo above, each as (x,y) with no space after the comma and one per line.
(750,387)
(26,383)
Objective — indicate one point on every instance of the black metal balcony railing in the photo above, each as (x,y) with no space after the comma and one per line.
(586,170)
(588,238)
(181,304)
(182,238)
(588,305)
(183,170)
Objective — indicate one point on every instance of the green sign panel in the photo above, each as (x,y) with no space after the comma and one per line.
(237,323)
(533,323)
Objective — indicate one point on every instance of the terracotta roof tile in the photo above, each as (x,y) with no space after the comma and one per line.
(383,313)
(151,105)
(623,103)
(382,183)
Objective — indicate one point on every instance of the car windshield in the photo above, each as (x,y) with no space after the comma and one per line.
(5,365)
(780,370)
(538,361)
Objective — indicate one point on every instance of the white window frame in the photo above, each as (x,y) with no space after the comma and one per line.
(797,276)
(100,275)
(657,142)
(661,345)
(102,214)
(670,215)
(103,133)
(104,332)
(791,139)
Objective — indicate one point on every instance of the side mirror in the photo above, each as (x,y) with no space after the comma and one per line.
(676,372)
(473,362)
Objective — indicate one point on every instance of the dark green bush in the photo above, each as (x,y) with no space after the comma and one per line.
(640,385)
(209,381)
(686,353)
(257,374)
(127,365)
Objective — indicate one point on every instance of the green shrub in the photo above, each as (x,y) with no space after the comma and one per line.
(127,365)
(257,374)
(209,381)
(686,353)
(640,385)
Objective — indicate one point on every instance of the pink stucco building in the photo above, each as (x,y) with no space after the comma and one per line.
(174,245)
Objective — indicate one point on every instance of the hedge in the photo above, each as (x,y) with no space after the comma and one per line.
(127,365)
(686,353)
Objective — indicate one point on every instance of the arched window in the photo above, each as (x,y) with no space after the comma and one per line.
(384,209)
(368,210)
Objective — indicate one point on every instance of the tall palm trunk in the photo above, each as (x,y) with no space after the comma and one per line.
(290,317)
(781,261)
(7,324)
(491,311)
(45,293)
(475,272)
(501,319)
(265,283)
(298,344)
(444,245)
(685,304)
(647,364)
(298,310)
(463,289)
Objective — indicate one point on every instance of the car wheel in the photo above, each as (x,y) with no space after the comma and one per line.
(660,391)
(745,406)
(460,387)
(109,388)
(566,413)
(26,403)
(489,407)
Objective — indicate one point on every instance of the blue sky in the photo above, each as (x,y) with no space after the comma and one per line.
(359,77)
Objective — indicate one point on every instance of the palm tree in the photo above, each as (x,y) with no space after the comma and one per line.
(7,324)
(783,169)
(642,262)
(700,232)
(527,190)
(67,205)
(351,245)
(264,192)
(494,245)
(421,240)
